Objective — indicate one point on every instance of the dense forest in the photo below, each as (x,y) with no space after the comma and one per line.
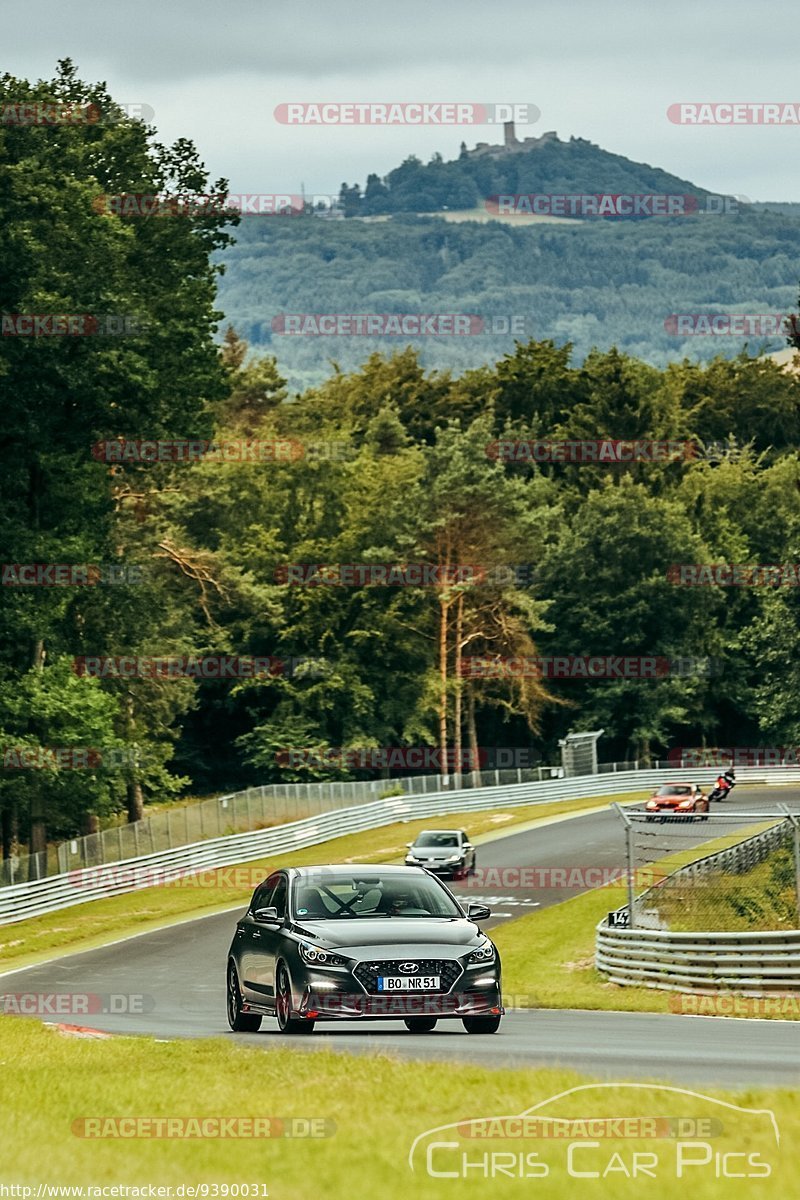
(590,283)
(388,462)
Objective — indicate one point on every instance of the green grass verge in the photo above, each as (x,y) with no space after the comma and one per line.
(85,926)
(379,1105)
(548,956)
(765,897)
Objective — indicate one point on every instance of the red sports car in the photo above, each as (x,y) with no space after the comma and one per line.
(677,800)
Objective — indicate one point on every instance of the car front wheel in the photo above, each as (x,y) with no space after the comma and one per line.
(283,1006)
(481,1024)
(240,1022)
(420,1024)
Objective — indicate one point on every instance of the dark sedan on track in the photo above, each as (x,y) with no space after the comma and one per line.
(360,943)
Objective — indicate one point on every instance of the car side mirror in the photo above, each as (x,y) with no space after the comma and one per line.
(409,845)
(478,912)
(466,845)
(267,916)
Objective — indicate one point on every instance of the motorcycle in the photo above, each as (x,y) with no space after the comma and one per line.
(722,793)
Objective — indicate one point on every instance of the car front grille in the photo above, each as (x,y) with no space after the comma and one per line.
(447,969)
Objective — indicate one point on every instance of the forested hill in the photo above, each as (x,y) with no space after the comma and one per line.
(591,283)
(574,167)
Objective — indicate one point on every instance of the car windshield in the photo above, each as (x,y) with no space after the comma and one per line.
(675,789)
(432,840)
(338,897)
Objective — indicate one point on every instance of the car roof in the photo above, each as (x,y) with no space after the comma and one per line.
(421,831)
(348,869)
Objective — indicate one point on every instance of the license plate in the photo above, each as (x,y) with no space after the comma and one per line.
(408,983)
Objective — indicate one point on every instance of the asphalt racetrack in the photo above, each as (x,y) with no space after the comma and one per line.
(180,971)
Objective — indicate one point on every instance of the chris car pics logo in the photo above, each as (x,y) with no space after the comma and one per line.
(607,1131)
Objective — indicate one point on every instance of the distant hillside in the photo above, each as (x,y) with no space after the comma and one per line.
(592,283)
(554,167)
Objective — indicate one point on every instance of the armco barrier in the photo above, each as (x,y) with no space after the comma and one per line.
(757,964)
(19,901)
(754,963)
(77,887)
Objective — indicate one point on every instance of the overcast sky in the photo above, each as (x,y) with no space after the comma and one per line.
(214,72)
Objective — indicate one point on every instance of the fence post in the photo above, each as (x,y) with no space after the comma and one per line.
(169,829)
(629,855)
(796,839)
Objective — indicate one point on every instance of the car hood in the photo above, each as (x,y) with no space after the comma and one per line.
(394,938)
(671,801)
(436,852)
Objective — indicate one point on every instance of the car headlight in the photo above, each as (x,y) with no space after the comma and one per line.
(483,954)
(411,858)
(454,858)
(319,957)
(652,804)
(686,804)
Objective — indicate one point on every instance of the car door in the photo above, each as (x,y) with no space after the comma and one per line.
(254,972)
(272,937)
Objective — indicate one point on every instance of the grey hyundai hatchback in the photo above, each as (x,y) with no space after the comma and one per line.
(357,943)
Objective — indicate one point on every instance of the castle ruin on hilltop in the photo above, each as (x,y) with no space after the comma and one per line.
(511,143)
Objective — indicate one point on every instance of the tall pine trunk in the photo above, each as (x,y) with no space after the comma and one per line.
(444,609)
(458,686)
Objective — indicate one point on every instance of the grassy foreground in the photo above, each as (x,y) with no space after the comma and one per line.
(375,1107)
(87,925)
(548,957)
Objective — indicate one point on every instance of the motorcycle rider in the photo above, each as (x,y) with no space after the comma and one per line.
(725,782)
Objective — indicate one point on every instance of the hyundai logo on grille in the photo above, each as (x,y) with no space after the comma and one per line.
(409,968)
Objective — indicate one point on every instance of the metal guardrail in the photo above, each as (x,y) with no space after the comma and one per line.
(239,812)
(40,896)
(756,964)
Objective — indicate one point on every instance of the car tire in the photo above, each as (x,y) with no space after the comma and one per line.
(481,1024)
(283,1005)
(420,1024)
(240,1022)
